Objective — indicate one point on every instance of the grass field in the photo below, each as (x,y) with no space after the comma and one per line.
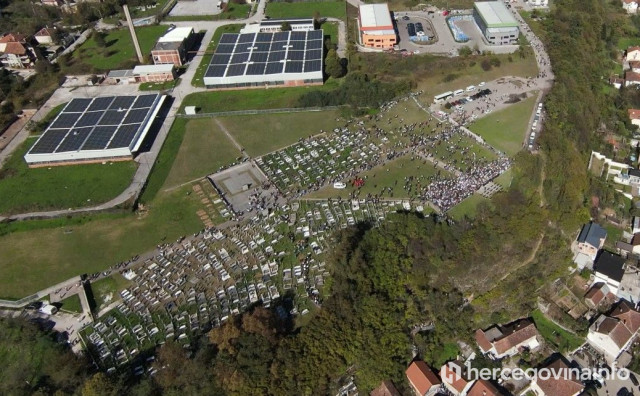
(235,11)
(72,303)
(119,52)
(467,207)
(307,9)
(251,99)
(263,133)
(59,187)
(106,290)
(52,255)
(40,126)
(197,80)
(554,334)
(391,175)
(159,86)
(506,129)
(204,149)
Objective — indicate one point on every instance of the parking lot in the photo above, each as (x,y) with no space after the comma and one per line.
(406,23)
(195,7)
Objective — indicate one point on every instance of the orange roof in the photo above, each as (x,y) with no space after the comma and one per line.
(451,377)
(44,32)
(625,312)
(634,114)
(507,337)
(14,48)
(483,388)
(482,341)
(560,385)
(421,377)
(10,37)
(596,293)
(386,388)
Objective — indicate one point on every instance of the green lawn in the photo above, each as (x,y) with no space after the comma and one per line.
(53,255)
(159,86)
(263,133)
(119,52)
(307,9)
(390,175)
(59,187)
(330,30)
(204,149)
(467,207)
(251,99)
(197,80)
(40,126)
(626,42)
(72,303)
(506,129)
(107,290)
(235,11)
(554,334)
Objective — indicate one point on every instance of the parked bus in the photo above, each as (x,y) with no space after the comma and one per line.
(442,97)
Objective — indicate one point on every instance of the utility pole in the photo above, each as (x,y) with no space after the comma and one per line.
(134,38)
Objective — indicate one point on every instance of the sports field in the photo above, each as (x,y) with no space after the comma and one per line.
(42,257)
(506,129)
(204,149)
(60,187)
(264,133)
(391,175)
(119,51)
(307,9)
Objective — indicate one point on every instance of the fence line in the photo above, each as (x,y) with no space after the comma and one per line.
(258,111)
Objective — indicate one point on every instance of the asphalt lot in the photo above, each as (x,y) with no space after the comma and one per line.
(195,7)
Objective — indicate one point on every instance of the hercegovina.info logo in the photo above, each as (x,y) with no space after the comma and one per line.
(468,373)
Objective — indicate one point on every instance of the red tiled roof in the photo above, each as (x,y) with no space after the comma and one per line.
(453,378)
(595,294)
(10,37)
(629,1)
(625,312)
(634,48)
(386,388)
(563,384)
(44,32)
(634,114)
(632,76)
(15,48)
(482,341)
(483,388)
(522,331)
(421,377)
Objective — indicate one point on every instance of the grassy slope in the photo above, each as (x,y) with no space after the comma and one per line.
(119,51)
(269,132)
(326,9)
(505,129)
(205,148)
(60,187)
(554,334)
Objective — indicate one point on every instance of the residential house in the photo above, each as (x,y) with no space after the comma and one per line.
(454,378)
(15,52)
(599,293)
(634,116)
(623,248)
(631,6)
(616,81)
(422,379)
(564,384)
(630,285)
(633,54)
(484,388)
(634,66)
(612,334)
(386,388)
(631,78)
(173,47)
(608,269)
(590,240)
(44,36)
(503,341)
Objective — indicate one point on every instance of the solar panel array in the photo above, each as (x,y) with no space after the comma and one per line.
(96,124)
(255,54)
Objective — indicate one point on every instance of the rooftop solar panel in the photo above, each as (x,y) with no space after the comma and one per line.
(49,141)
(298,36)
(313,66)
(220,59)
(314,55)
(77,105)
(297,45)
(89,119)
(216,71)
(262,47)
(276,56)
(264,37)
(124,136)
(144,101)
(315,45)
(295,55)
(74,139)
(225,49)
(281,36)
(135,116)
(278,45)
(236,70)
(293,67)
(228,38)
(101,103)
(315,35)
(273,68)
(112,117)
(239,58)
(246,38)
(99,138)
(256,69)
(122,102)
(259,57)
(65,120)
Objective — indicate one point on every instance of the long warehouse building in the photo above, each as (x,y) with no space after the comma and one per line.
(98,129)
(496,23)
(254,60)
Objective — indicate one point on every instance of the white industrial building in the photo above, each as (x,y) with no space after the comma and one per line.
(275,25)
(496,23)
(97,129)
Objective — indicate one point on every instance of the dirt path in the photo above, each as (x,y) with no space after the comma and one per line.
(230,136)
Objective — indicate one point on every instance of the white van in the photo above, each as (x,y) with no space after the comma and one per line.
(471,88)
(458,92)
(339,185)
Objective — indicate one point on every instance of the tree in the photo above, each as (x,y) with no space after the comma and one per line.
(100,385)
(285,27)
(333,65)
(464,51)
(99,38)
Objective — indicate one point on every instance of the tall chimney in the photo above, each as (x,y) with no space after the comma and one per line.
(134,38)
